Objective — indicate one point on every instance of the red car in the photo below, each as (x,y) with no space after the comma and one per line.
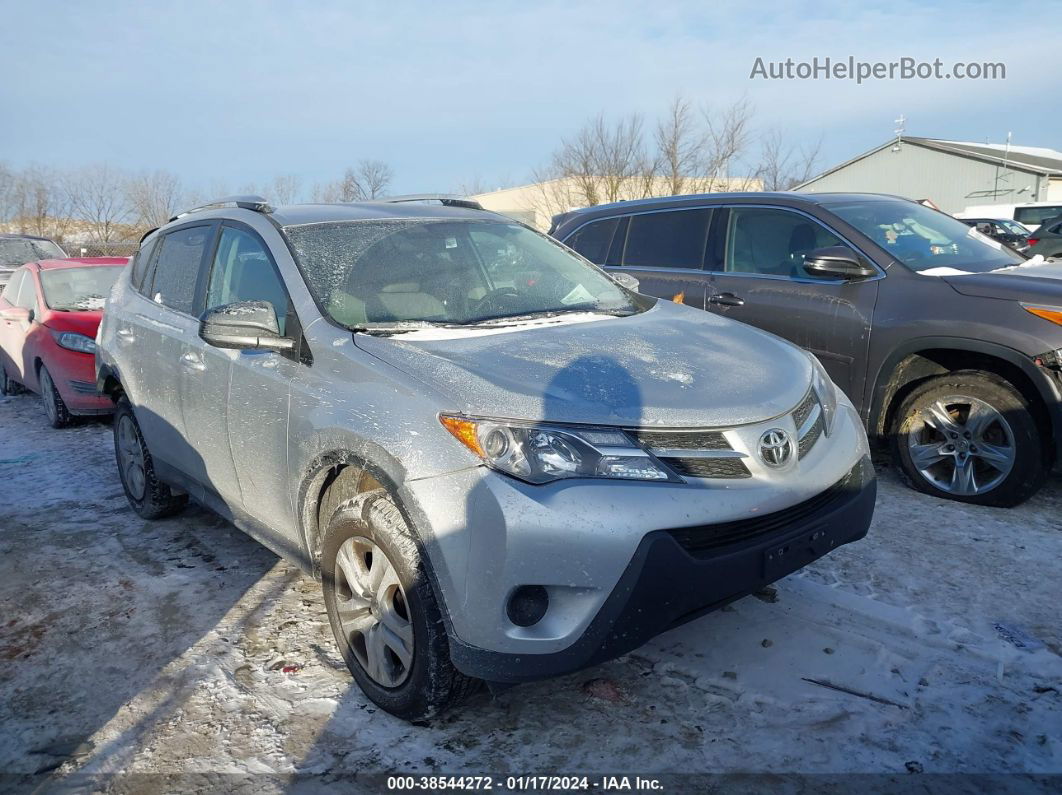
(49,313)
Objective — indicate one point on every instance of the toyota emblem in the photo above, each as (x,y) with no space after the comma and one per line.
(776,448)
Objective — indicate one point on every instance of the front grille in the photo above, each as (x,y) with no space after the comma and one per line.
(704,538)
(664,444)
(682,440)
(807,441)
(709,467)
(803,411)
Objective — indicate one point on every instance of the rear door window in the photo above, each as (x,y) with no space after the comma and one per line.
(177,267)
(1035,216)
(667,239)
(593,239)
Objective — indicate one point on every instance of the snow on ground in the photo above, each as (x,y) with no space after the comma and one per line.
(182,646)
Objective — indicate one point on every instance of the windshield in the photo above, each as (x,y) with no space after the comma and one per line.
(1014,228)
(19,251)
(78,289)
(924,239)
(365,274)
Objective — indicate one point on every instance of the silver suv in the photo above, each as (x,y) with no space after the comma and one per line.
(502,463)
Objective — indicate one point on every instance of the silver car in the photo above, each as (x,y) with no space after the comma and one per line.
(502,463)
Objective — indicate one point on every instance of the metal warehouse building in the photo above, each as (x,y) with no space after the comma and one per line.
(952,174)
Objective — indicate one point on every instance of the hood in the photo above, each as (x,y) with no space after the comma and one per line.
(1042,282)
(668,366)
(78,322)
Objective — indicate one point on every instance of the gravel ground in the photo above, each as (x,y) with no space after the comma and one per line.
(183,648)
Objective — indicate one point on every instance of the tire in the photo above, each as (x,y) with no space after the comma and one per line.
(7,386)
(970,436)
(426,683)
(147,495)
(54,407)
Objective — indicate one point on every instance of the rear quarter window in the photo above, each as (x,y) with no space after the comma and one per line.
(592,240)
(177,267)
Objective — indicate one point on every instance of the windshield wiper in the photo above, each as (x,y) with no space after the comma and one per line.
(548,313)
(401,327)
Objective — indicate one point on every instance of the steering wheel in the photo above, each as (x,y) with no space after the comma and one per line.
(500,299)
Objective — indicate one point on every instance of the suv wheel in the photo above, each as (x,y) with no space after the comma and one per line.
(970,436)
(147,495)
(384,612)
(54,407)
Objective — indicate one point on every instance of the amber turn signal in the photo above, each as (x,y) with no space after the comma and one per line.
(1054,315)
(464,431)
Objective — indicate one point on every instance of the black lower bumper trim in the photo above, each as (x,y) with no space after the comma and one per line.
(664,585)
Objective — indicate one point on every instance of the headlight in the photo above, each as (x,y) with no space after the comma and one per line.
(543,453)
(826,391)
(75,342)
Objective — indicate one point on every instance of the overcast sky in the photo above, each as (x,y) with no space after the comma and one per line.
(447,92)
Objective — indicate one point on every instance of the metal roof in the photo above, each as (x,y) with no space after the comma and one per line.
(1038,161)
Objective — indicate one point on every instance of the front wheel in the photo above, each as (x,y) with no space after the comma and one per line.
(384,612)
(54,406)
(970,436)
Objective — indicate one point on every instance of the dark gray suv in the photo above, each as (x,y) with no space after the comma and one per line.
(948,343)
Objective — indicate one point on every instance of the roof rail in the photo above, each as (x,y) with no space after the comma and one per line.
(248,202)
(445,199)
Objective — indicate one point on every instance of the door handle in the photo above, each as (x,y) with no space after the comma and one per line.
(726,299)
(189,361)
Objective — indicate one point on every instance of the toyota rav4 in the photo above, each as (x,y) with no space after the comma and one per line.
(502,463)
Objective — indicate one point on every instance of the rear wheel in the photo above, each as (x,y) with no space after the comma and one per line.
(384,612)
(147,495)
(970,436)
(54,407)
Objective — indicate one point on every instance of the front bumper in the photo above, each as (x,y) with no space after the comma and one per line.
(678,575)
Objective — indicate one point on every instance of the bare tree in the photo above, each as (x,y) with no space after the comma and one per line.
(680,147)
(286,188)
(39,204)
(153,198)
(97,199)
(369,179)
(728,134)
(374,178)
(783,165)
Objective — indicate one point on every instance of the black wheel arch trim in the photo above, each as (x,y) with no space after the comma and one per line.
(1046,386)
(391,475)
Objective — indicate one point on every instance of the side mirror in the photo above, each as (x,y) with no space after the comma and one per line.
(245,325)
(17,313)
(837,262)
(984,229)
(626,280)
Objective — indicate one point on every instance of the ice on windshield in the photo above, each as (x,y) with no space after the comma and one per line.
(417,272)
(19,251)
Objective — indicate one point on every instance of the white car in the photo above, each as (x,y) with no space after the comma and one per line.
(1029,214)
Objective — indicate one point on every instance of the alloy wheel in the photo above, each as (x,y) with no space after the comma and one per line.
(373,611)
(962,445)
(131,457)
